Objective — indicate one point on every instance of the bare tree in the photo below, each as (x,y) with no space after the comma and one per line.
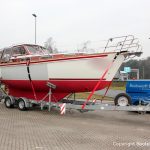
(86,47)
(50,45)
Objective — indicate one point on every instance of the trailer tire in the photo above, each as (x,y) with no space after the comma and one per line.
(8,102)
(21,104)
(122,99)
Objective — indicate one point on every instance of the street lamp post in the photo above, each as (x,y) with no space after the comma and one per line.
(34,15)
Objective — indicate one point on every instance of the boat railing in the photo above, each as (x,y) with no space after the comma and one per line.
(123,43)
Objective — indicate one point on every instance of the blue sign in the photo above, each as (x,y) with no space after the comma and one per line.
(127,69)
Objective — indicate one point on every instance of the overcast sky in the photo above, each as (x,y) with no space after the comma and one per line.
(71,22)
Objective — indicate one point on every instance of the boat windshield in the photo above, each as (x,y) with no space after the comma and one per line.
(37,50)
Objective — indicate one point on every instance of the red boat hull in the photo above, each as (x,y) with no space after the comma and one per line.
(22,88)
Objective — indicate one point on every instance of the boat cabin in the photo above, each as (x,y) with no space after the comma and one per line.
(23,52)
(19,53)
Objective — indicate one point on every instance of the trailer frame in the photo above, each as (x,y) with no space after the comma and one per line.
(77,105)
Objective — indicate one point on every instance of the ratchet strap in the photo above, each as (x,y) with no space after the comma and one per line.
(29,76)
(99,82)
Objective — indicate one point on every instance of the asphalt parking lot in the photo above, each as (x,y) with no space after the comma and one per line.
(99,130)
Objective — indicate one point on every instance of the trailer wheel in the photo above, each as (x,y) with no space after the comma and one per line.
(8,102)
(21,104)
(122,99)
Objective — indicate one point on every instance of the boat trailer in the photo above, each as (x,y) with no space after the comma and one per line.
(69,105)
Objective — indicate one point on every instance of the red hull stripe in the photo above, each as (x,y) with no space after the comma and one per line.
(59,59)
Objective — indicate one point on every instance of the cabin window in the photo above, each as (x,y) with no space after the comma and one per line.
(35,50)
(7,53)
(32,49)
(18,51)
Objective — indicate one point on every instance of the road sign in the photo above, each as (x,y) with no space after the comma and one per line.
(127,69)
